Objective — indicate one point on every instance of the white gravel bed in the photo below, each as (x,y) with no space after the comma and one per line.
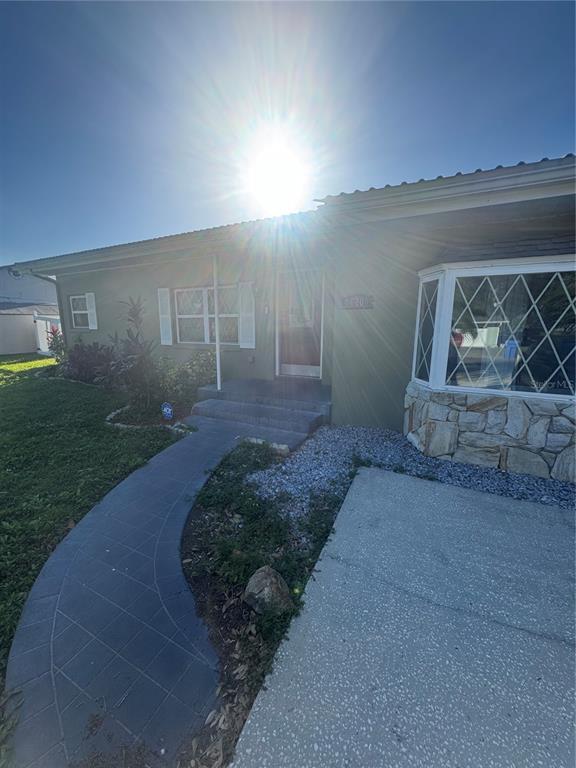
(325,461)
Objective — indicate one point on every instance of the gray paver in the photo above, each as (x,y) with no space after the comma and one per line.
(438,631)
(110,628)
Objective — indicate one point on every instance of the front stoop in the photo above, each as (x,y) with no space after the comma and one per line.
(292,407)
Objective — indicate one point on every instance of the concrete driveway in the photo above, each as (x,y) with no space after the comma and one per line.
(438,632)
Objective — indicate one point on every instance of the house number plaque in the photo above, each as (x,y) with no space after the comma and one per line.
(358,301)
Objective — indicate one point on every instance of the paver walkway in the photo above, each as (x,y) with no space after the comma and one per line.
(114,665)
(438,631)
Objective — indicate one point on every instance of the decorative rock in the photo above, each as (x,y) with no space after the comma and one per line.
(522,434)
(487,457)
(518,419)
(472,422)
(565,466)
(418,438)
(495,422)
(267,591)
(538,431)
(557,441)
(407,424)
(526,462)
(561,424)
(442,398)
(441,438)
(482,440)
(570,412)
(542,407)
(437,411)
(413,390)
(482,403)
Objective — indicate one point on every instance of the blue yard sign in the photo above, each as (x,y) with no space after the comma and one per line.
(167,411)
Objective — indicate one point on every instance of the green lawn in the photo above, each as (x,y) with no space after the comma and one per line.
(57,458)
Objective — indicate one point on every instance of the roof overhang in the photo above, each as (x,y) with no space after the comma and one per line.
(488,188)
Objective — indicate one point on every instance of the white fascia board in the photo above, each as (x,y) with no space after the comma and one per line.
(523,263)
(444,196)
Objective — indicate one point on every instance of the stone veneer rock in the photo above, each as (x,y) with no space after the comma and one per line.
(519,434)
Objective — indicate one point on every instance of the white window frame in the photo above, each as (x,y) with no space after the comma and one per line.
(446,274)
(74,312)
(205,316)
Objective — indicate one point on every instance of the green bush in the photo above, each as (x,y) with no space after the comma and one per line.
(130,364)
(90,363)
(56,344)
(180,382)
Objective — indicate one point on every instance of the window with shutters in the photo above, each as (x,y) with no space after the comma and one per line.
(195,318)
(83,311)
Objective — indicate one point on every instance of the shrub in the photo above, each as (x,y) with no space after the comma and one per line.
(90,363)
(56,345)
(180,382)
(135,368)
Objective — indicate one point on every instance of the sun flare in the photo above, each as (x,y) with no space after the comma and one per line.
(277,175)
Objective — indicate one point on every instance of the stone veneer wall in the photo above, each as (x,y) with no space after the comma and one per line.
(518,434)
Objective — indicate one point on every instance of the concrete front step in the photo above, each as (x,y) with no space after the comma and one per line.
(274,395)
(242,430)
(289,419)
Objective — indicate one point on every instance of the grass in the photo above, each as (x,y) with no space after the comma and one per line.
(231,532)
(58,459)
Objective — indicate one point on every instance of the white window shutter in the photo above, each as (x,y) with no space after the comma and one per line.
(247,319)
(91,309)
(165,316)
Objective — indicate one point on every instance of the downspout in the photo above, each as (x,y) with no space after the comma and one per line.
(216,324)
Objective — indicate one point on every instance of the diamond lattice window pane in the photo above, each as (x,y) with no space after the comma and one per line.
(514,332)
(425,337)
(189,302)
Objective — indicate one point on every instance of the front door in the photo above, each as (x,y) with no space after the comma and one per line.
(300,296)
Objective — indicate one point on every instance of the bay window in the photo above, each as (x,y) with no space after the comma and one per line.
(502,327)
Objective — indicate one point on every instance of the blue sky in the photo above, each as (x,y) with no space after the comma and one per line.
(123,121)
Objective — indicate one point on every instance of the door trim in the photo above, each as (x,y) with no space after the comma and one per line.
(309,371)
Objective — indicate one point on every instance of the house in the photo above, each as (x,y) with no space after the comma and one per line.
(28,311)
(443,307)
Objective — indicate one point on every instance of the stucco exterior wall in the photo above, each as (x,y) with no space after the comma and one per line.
(114,285)
(520,434)
(373,345)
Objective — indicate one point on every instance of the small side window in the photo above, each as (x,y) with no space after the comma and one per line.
(83,311)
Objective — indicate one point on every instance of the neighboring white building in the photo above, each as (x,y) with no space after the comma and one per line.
(28,311)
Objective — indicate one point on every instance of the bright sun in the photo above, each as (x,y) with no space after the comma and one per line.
(277,175)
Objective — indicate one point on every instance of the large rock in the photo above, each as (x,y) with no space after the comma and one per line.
(565,466)
(542,407)
(538,431)
(561,424)
(495,422)
(557,441)
(267,591)
(437,411)
(441,438)
(518,418)
(483,403)
(442,398)
(526,462)
(482,440)
(570,412)
(485,457)
(472,422)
